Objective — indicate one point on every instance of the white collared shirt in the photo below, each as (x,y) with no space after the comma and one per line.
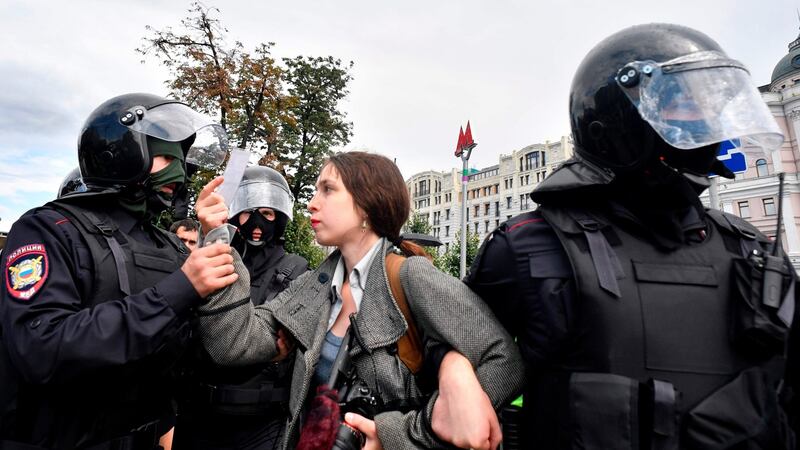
(358,281)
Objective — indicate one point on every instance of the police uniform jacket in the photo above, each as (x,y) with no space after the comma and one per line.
(88,368)
(583,323)
(445,311)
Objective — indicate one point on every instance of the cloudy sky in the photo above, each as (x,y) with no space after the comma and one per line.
(422,68)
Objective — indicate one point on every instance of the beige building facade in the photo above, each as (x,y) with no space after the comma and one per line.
(494,194)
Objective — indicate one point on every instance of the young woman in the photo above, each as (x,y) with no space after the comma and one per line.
(360,205)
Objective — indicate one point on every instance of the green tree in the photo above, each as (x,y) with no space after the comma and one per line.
(300,239)
(417,223)
(243,89)
(450,261)
(288,115)
(317,125)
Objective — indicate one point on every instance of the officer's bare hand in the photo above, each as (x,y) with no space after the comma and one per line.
(210,269)
(463,415)
(210,206)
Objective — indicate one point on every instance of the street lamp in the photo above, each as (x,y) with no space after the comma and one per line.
(464,151)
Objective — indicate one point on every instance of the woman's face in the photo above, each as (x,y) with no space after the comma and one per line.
(334,215)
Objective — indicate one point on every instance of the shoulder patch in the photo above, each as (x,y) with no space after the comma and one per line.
(26,271)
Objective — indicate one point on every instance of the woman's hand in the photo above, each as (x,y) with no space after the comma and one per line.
(463,415)
(210,207)
(367,428)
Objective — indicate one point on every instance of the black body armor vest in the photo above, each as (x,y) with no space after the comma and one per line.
(655,357)
(261,389)
(136,396)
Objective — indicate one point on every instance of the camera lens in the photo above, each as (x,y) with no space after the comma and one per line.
(348,438)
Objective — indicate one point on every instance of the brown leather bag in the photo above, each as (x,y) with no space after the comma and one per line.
(409,347)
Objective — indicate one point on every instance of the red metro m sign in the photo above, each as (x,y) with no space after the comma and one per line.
(465,141)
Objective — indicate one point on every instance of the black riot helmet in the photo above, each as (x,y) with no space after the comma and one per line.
(72,183)
(657,84)
(113,147)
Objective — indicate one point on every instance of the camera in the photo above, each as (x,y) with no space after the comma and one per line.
(355,397)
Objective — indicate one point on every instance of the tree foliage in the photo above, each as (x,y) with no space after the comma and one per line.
(318,85)
(287,114)
(300,239)
(417,223)
(450,261)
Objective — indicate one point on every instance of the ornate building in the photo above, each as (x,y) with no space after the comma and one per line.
(494,194)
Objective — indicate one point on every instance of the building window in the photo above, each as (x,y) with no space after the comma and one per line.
(477,210)
(486,209)
(761,168)
(543,159)
(447,231)
(523,202)
(744,209)
(769,206)
(527,179)
(508,202)
(531,160)
(447,214)
(497,223)
(497,209)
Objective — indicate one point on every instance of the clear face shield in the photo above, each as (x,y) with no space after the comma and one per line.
(175,122)
(700,99)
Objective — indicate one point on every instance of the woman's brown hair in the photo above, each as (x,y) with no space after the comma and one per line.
(379,190)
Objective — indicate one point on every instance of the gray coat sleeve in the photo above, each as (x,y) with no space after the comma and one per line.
(233,331)
(447,311)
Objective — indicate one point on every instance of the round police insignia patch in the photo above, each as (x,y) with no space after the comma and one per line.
(26,271)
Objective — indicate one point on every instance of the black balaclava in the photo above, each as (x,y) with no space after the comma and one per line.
(256,254)
(146,199)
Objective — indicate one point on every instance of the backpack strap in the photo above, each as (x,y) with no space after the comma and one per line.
(409,347)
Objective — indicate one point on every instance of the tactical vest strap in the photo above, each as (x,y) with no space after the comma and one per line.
(604,258)
(283,273)
(94,224)
(107,229)
(665,415)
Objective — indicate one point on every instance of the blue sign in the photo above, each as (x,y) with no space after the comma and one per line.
(730,153)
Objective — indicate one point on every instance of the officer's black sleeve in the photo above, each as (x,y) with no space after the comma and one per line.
(493,276)
(523,274)
(51,335)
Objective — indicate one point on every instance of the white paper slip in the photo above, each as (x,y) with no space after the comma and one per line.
(233,174)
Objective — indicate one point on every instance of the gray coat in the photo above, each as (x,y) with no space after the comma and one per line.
(444,309)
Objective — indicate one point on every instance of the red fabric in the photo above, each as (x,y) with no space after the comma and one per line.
(468,136)
(322,422)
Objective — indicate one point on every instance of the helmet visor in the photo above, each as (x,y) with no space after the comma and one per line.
(262,194)
(700,99)
(176,122)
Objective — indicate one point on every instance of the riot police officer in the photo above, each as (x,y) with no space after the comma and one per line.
(95,300)
(638,312)
(72,183)
(246,407)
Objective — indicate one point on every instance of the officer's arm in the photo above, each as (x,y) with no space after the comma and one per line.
(52,335)
(493,276)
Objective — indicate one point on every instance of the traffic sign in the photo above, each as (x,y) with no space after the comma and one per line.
(730,153)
